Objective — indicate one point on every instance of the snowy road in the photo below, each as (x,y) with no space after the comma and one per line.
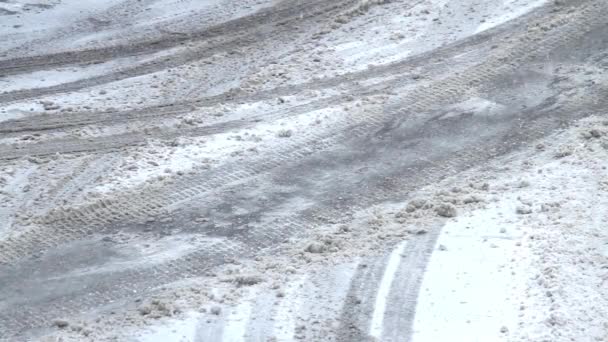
(351,170)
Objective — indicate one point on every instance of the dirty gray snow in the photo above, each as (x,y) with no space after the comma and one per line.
(348,170)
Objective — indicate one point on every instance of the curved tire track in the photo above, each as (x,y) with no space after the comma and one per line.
(71,224)
(75,224)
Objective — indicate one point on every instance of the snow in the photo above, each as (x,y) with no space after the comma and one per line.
(12,192)
(56,16)
(467,290)
(12,113)
(147,253)
(48,78)
(477,106)
(398,30)
(501,276)
(34,24)
(235,327)
(509,13)
(491,273)
(285,322)
(214,149)
(176,330)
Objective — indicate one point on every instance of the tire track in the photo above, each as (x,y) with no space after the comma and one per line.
(18,318)
(133,139)
(120,284)
(283,12)
(85,25)
(359,304)
(28,316)
(139,206)
(399,315)
(85,174)
(44,122)
(249,38)
(198,262)
(358,316)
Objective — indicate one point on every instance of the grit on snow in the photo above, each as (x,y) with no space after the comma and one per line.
(261,170)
